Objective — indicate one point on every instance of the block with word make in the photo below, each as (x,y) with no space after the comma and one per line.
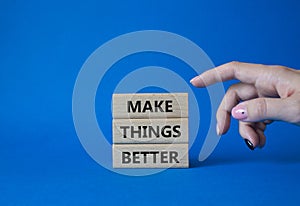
(152,105)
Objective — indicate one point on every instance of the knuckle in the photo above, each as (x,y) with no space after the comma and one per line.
(279,67)
(261,108)
(280,70)
(234,87)
(231,90)
(234,64)
(230,97)
(295,111)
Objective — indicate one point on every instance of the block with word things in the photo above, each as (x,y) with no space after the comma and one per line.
(150,156)
(150,131)
(152,105)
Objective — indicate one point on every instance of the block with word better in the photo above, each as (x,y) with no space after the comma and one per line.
(150,156)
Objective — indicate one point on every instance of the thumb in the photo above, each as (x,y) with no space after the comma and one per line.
(259,109)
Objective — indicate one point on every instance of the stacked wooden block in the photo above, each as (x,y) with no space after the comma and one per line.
(150,130)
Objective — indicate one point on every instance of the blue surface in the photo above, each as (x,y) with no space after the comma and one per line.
(42,48)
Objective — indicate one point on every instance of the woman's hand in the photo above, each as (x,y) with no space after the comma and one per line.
(265,93)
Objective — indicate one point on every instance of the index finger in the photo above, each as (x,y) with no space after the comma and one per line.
(245,72)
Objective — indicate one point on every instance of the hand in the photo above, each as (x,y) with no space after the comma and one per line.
(265,93)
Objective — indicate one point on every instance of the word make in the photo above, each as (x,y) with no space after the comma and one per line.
(149,106)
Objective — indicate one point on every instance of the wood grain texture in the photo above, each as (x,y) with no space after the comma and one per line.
(150,156)
(150,105)
(150,131)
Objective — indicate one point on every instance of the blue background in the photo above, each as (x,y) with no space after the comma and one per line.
(44,45)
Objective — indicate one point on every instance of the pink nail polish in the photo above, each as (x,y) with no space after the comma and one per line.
(239,112)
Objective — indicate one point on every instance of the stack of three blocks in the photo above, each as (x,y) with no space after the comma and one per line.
(150,130)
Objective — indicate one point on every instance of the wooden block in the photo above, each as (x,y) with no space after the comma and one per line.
(150,156)
(150,131)
(150,105)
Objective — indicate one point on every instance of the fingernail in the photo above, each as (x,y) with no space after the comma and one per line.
(249,144)
(191,81)
(218,130)
(239,112)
